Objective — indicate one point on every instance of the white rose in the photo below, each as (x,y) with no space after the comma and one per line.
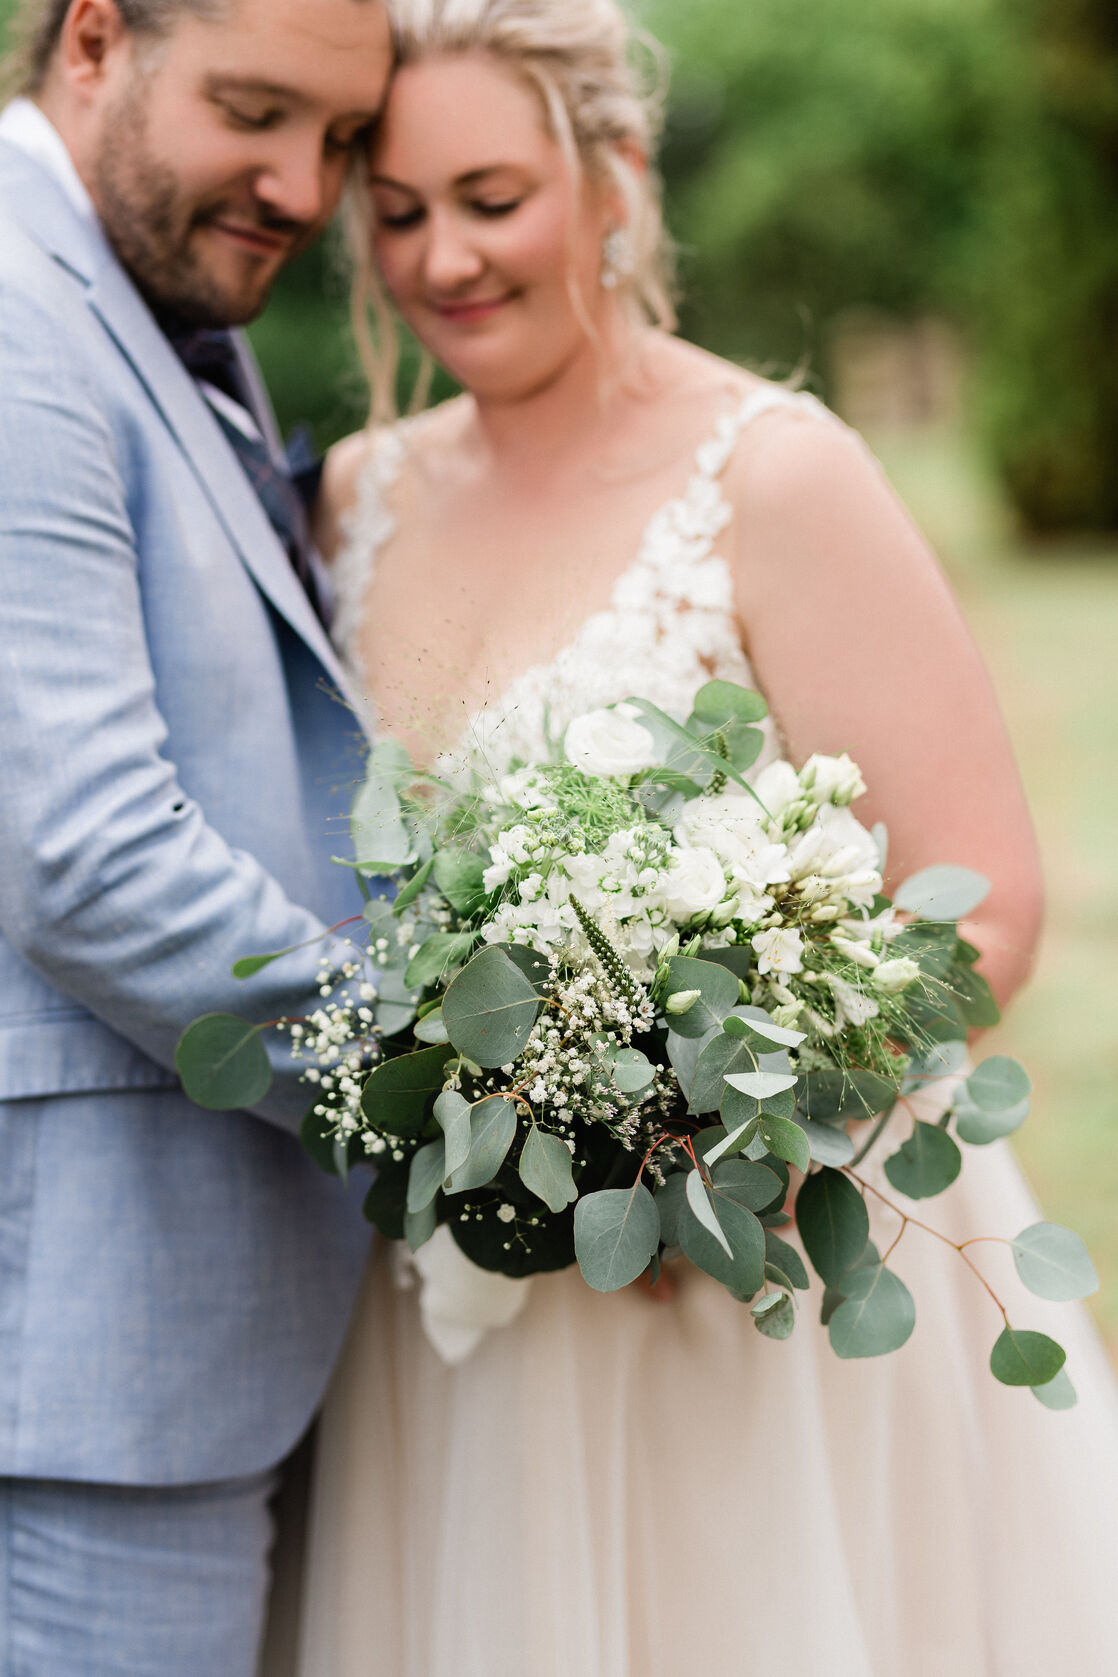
(607,742)
(777,786)
(896,974)
(695,882)
(779,951)
(832,779)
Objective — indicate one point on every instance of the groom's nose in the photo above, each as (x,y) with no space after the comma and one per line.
(297,183)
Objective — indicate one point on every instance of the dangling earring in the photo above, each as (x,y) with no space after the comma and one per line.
(618,258)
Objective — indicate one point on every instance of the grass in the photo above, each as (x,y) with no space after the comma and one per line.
(1045,616)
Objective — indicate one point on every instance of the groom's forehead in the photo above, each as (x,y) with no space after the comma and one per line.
(298,36)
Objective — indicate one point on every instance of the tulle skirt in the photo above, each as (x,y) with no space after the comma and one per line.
(615,1486)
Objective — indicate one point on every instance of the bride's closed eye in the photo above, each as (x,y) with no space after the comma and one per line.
(488,209)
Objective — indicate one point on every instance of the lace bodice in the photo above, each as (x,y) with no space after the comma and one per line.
(669,627)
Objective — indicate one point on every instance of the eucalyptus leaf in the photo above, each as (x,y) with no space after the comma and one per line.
(979,1128)
(671,1203)
(492,1129)
(384,1202)
(428,1168)
(630,1071)
(431,1028)
(829,1143)
(435,956)
(942,893)
(722,1054)
(735,1189)
(616,1232)
(699,1202)
(718,993)
(998,1084)
(535,967)
(400,1092)
(1023,1358)
(223,1063)
(1058,1393)
(419,1226)
(395,1006)
(775,1321)
(452,1114)
(407,894)
(974,999)
(786,1139)
(381,840)
(489,1009)
(833,1223)
(1053,1263)
(761,1085)
(738,1138)
(926,1164)
(787,1259)
(719,702)
(826,1095)
(761,1033)
(876,1316)
(459,876)
(545,1169)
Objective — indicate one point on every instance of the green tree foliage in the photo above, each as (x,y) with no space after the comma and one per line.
(959,156)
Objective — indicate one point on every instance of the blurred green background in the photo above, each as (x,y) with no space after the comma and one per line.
(916,201)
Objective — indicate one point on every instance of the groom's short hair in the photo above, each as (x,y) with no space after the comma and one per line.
(37,28)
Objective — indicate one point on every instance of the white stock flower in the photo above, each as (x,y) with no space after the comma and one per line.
(896,974)
(609,742)
(778,950)
(695,883)
(832,779)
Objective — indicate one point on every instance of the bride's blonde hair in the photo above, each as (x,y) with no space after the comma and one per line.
(604,110)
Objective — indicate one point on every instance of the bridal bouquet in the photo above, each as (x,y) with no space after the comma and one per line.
(625,1005)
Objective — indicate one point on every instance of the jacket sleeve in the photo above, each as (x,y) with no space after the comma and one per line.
(113,884)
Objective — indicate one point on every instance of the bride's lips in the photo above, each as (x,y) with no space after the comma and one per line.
(471,308)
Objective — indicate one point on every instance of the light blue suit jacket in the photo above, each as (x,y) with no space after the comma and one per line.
(175,767)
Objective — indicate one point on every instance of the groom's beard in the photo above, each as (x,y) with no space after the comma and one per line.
(161,236)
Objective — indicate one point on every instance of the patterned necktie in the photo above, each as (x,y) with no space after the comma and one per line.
(211,357)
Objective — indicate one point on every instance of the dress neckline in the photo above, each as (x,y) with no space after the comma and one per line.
(679,533)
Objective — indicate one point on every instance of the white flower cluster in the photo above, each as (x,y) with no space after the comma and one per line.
(790,866)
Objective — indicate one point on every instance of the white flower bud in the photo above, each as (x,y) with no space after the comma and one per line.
(682,1001)
(896,974)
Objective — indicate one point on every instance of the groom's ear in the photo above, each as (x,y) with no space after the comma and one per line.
(92,35)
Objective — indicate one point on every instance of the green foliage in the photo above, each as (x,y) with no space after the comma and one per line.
(489,1009)
(833,1223)
(545,1169)
(616,1232)
(222,1063)
(926,1164)
(1023,1358)
(876,1316)
(1053,1263)
(958,157)
(492,1131)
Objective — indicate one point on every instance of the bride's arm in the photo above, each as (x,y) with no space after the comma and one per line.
(860,646)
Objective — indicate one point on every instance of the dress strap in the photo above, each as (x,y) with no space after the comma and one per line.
(712,455)
(367,524)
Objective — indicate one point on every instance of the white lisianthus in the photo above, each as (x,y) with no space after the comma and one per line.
(778,950)
(832,780)
(777,786)
(695,882)
(609,743)
(896,974)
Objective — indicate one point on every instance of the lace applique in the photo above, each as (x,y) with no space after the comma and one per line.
(670,625)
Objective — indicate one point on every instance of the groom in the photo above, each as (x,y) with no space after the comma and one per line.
(174,1283)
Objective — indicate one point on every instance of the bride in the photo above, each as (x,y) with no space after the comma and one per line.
(629,1485)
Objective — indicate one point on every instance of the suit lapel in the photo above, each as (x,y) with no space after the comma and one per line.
(114,300)
(34,199)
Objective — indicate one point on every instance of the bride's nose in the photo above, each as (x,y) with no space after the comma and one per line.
(450,257)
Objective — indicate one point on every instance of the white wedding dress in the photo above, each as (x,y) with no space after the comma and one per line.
(613,1486)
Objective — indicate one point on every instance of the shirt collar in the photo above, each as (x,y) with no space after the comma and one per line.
(23,124)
